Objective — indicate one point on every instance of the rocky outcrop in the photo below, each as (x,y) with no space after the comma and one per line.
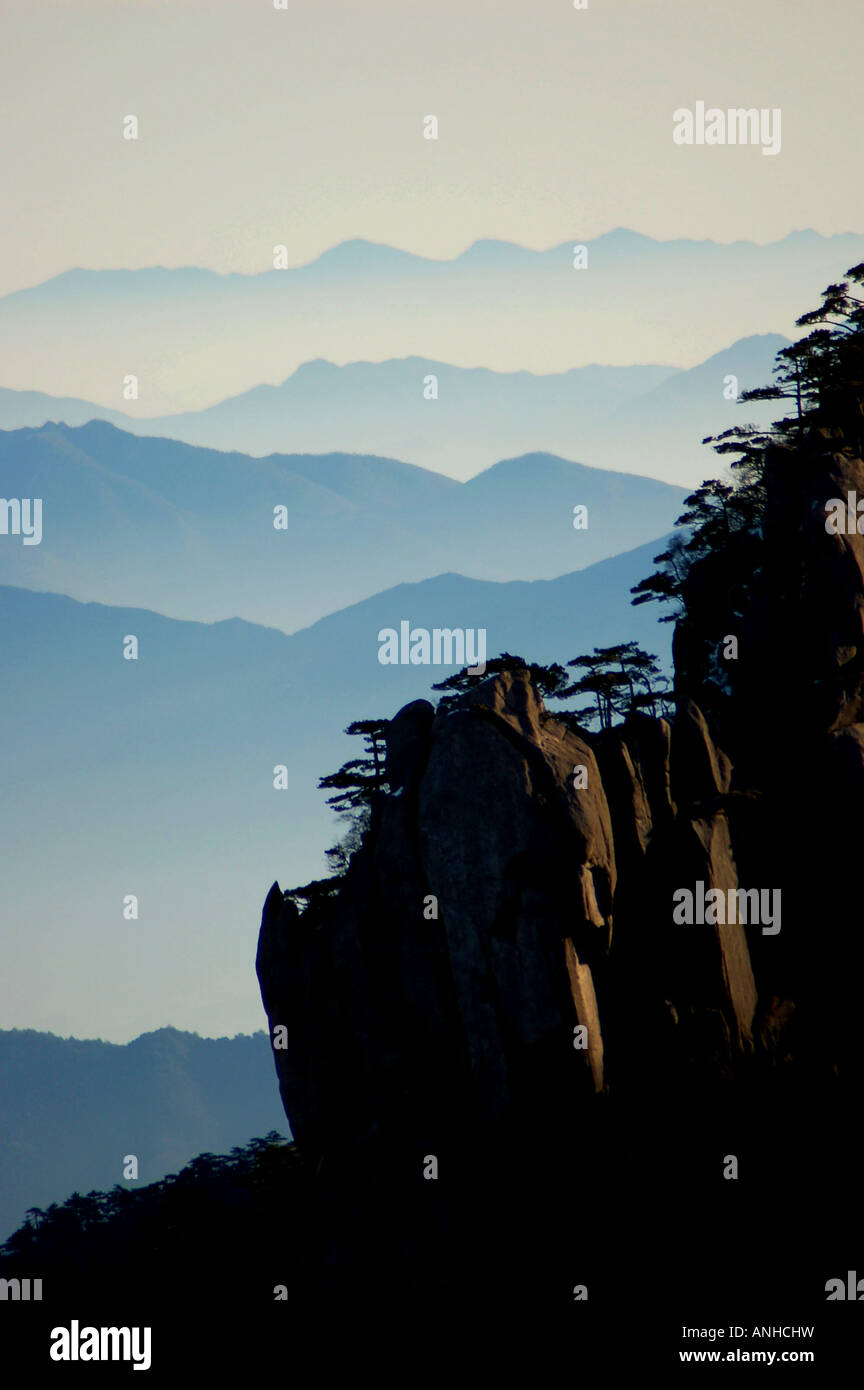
(503,946)
(504,942)
(500,981)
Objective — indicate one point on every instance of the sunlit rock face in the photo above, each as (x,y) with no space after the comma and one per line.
(504,943)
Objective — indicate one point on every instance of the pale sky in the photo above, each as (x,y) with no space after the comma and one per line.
(304,126)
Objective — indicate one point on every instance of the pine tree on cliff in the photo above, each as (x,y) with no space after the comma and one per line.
(622,680)
(356,785)
(664,585)
(359,781)
(549,680)
(821,377)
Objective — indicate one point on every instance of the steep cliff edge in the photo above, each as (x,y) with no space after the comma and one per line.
(476,959)
(555,951)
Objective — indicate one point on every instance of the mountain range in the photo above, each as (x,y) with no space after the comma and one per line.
(192,337)
(648,419)
(189,532)
(73,1109)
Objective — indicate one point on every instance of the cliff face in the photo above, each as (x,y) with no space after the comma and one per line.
(505,940)
(502,970)
(789,712)
(515,894)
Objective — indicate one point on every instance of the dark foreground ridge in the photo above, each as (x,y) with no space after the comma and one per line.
(497,914)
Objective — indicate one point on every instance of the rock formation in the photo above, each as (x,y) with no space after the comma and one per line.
(480,925)
(501,957)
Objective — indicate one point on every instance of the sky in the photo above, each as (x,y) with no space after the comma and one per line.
(303,126)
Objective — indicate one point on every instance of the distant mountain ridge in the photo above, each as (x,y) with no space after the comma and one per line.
(189,532)
(358,251)
(381,408)
(193,336)
(72,1109)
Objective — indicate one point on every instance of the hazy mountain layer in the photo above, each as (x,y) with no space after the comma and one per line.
(193,337)
(190,532)
(72,1110)
(645,417)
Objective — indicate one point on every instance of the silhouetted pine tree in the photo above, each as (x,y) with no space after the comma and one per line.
(821,377)
(549,680)
(621,680)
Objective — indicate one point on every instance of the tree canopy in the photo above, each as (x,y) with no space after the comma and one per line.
(621,681)
(821,379)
